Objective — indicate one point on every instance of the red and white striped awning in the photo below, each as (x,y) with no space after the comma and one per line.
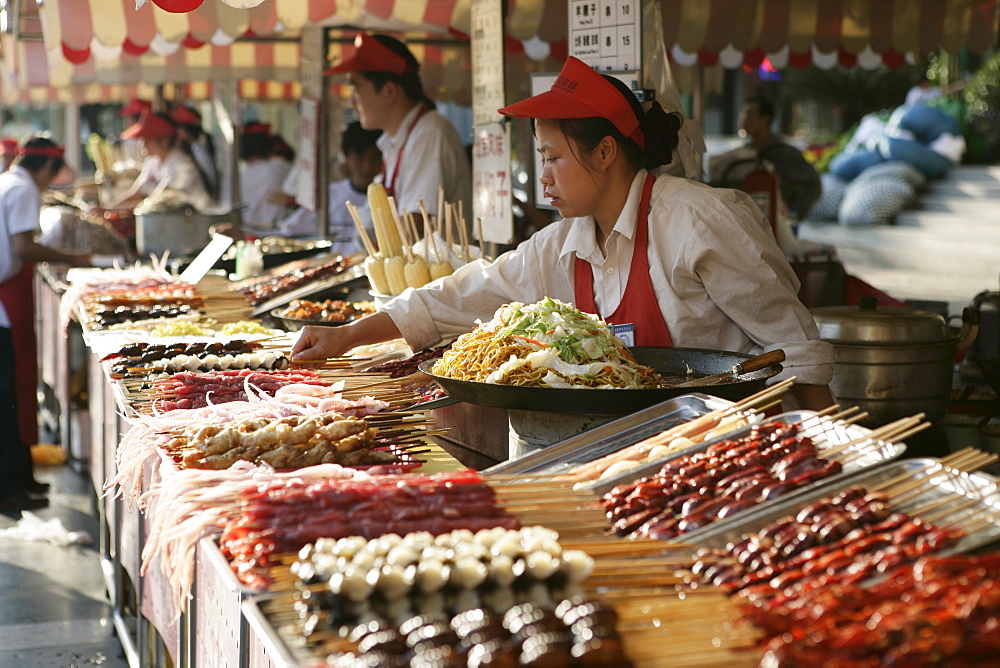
(825,33)
(107,30)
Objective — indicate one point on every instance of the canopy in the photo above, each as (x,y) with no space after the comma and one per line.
(825,33)
(76,47)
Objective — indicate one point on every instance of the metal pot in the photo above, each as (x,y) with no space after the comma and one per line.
(183,234)
(892,362)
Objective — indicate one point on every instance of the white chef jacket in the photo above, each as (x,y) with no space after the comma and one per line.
(258,180)
(302,222)
(20,202)
(721,281)
(179,172)
(433,156)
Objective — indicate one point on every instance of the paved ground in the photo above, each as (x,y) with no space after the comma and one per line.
(54,611)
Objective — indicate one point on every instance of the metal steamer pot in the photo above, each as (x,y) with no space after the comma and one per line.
(892,362)
(183,234)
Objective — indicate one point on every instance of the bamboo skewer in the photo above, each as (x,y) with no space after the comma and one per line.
(365,239)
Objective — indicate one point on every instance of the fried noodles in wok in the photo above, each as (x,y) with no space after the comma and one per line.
(547,344)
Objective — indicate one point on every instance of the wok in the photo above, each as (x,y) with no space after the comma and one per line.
(667,361)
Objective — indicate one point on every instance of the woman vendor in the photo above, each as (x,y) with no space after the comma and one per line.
(707,272)
(166,165)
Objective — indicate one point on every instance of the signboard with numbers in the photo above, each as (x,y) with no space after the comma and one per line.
(491,182)
(605,34)
(308,153)
(487,61)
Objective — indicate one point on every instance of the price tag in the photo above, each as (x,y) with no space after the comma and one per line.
(625,332)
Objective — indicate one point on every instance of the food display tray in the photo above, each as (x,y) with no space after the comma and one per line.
(266,647)
(825,433)
(353,272)
(946,488)
(612,436)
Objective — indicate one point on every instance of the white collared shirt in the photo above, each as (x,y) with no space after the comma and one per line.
(20,202)
(721,281)
(257,182)
(433,156)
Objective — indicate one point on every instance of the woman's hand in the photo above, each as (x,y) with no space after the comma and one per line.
(317,343)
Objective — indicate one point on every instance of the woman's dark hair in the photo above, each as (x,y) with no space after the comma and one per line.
(34,163)
(409,81)
(356,139)
(256,145)
(659,128)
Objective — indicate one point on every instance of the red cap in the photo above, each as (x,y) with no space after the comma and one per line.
(9,146)
(150,126)
(44,151)
(184,116)
(580,92)
(136,107)
(371,55)
(257,128)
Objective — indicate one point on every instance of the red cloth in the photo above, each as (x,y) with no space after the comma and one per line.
(639,305)
(18,297)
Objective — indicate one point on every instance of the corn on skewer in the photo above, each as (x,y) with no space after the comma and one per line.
(374,263)
(418,272)
(389,241)
(415,272)
(438,267)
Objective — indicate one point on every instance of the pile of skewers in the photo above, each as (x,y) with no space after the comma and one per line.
(396,264)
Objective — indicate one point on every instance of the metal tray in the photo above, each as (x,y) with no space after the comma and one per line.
(946,486)
(349,274)
(612,436)
(265,636)
(826,434)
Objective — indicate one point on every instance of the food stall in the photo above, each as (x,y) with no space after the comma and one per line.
(687,528)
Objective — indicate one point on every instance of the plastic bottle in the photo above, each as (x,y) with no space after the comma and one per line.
(249,258)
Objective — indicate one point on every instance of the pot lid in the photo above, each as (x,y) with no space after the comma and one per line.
(868,323)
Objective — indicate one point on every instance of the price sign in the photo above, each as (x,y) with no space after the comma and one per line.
(487,61)
(491,188)
(306,156)
(605,34)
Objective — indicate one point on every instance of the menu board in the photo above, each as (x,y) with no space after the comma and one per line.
(605,34)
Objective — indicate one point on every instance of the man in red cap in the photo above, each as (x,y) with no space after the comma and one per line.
(165,163)
(36,166)
(421,150)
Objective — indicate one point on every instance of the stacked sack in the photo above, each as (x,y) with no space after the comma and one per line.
(885,163)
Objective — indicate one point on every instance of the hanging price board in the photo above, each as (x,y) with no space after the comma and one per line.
(605,34)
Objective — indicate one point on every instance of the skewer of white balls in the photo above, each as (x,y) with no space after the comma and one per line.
(394,565)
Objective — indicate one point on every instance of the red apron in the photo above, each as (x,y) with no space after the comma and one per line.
(639,305)
(18,297)
(390,185)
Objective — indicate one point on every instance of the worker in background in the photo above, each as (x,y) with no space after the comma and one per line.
(421,149)
(362,162)
(260,178)
(198,144)
(798,182)
(165,164)
(38,164)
